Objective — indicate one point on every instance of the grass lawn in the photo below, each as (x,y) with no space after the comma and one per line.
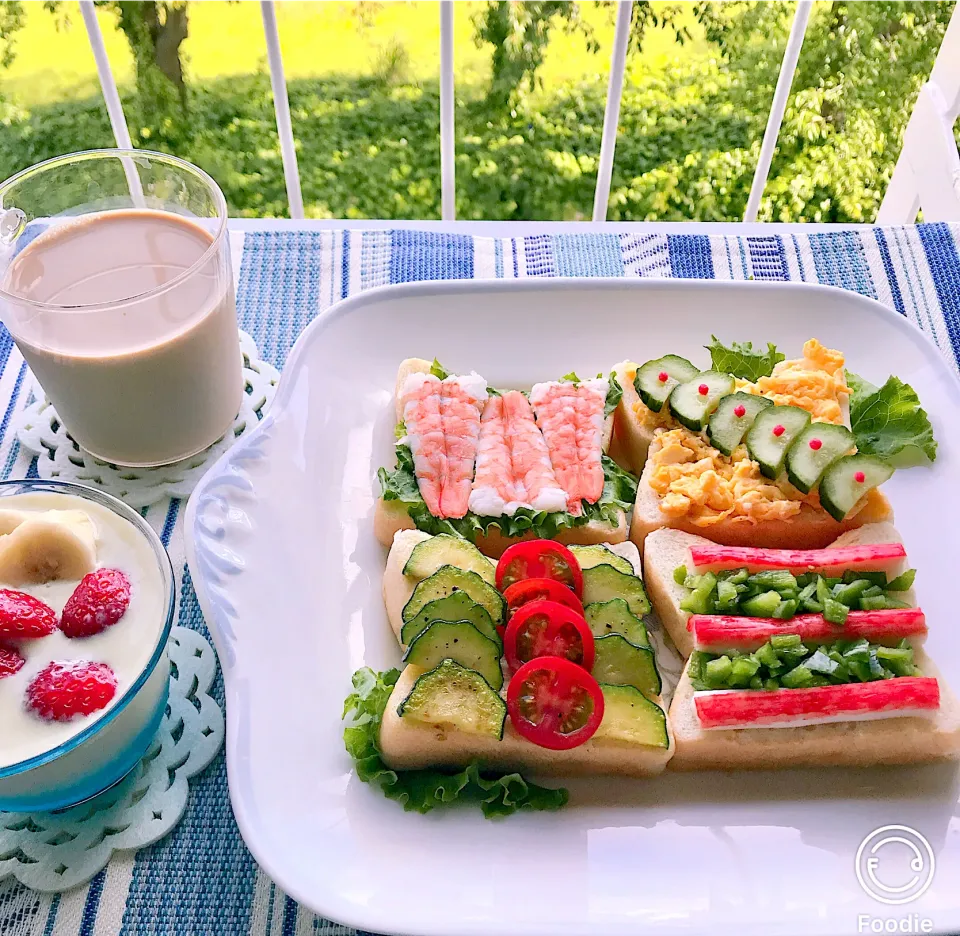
(319,39)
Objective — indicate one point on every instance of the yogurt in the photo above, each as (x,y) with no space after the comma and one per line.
(126,647)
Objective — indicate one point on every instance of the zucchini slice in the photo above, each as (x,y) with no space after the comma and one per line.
(450,696)
(603,582)
(589,556)
(456,607)
(448,580)
(630,716)
(615,617)
(445,549)
(461,642)
(620,663)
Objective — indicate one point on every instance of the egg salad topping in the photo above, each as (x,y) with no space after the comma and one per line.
(694,480)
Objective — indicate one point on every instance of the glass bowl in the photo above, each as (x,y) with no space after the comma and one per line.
(108,748)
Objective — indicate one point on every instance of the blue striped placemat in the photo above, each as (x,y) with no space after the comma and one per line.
(201,879)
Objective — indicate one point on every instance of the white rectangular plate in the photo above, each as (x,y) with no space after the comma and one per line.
(282,552)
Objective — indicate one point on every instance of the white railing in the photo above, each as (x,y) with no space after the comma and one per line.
(927,174)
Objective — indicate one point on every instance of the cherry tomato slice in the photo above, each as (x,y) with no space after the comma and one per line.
(554,703)
(539,559)
(547,628)
(534,589)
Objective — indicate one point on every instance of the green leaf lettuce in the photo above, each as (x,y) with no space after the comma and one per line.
(889,422)
(741,360)
(423,790)
(619,493)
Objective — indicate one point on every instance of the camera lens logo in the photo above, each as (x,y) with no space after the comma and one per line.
(895,864)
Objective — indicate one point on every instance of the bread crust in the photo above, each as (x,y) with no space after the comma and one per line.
(812,528)
(907,740)
(409,745)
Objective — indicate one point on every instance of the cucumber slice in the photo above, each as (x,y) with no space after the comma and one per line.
(620,663)
(732,418)
(445,549)
(456,607)
(815,450)
(603,582)
(848,479)
(461,642)
(628,715)
(691,403)
(772,433)
(652,389)
(450,696)
(446,581)
(590,556)
(614,617)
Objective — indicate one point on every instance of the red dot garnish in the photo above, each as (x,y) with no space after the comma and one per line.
(778,430)
(738,411)
(859,477)
(815,444)
(703,389)
(662,376)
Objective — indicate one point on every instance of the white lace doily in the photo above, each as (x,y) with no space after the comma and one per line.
(41,432)
(57,851)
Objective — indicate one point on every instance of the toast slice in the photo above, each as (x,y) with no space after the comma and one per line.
(390,517)
(631,437)
(811,528)
(665,549)
(905,740)
(409,745)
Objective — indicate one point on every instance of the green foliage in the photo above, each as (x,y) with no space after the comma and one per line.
(688,141)
(519,34)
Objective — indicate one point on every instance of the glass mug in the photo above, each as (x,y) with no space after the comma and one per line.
(116,284)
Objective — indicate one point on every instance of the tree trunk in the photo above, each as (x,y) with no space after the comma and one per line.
(155,30)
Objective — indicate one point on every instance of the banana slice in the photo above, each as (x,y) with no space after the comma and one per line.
(43,547)
(10,520)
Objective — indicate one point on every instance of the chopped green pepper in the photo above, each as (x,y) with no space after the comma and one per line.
(835,612)
(903,582)
(762,605)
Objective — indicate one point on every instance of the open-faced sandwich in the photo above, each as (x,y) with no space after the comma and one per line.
(572,686)
(799,657)
(767,554)
(499,466)
(758,450)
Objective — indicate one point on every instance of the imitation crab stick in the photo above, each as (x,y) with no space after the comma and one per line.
(750,708)
(875,557)
(719,632)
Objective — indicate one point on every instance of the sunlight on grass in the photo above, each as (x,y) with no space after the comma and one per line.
(54,61)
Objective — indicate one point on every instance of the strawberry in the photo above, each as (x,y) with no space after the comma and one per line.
(70,688)
(98,602)
(10,661)
(24,617)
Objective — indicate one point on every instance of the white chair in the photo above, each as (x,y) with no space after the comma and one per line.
(927,174)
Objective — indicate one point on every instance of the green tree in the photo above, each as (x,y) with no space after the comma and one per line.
(155,31)
(519,34)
